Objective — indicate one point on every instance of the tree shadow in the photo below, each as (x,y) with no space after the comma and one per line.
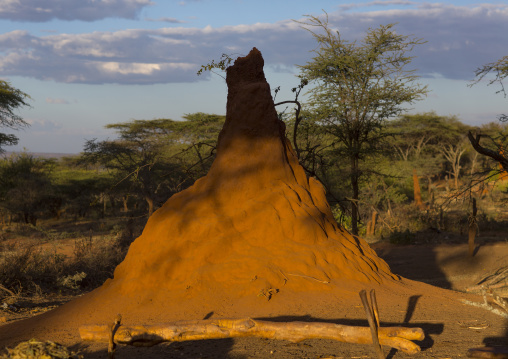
(202,349)
(427,342)
(415,262)
(428,328)
(501,341)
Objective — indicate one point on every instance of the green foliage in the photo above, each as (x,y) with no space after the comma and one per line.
(357,87)
(10,99)
(7,140)
(153,159)
(222,64)
(403,237)
(430,143)
(500,70)
(25,186)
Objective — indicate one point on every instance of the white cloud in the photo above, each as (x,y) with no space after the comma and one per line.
(44,126)
(86,10)
(167,19)
(460,39)
(346,7)
(57,101)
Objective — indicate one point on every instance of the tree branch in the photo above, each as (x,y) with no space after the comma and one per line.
(475,142)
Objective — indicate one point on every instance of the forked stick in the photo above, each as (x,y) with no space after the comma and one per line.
(372,318)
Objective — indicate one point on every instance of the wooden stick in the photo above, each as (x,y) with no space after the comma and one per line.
(148,335)
(7,290)
(473,229)
(113,329)
(372,324)
(373,301)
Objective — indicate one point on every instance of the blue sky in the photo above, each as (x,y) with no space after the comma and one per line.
(87,63)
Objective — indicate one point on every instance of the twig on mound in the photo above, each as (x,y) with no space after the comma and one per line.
(309,277)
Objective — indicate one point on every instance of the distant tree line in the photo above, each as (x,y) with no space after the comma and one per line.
(133,174)
(354,134)
(151,160)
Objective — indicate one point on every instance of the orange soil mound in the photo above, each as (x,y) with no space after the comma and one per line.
(252,221)
(251,237)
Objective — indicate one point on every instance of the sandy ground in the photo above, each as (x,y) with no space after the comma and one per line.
(451,326)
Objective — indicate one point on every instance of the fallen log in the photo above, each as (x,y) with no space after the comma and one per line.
(149,335)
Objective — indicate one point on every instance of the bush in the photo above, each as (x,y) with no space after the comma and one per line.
(404,237)
(30,271)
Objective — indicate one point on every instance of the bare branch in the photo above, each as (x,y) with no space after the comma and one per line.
(497,156)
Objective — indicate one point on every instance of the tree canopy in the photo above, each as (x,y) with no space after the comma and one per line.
(156,158)
(10,100)
(357,86)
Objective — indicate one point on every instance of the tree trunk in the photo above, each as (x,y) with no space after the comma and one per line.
(149,201)
(417,192)
(104,205)
(149,335)
(125,200)
(371,225)
(30,218)
(472,229)
(356,194)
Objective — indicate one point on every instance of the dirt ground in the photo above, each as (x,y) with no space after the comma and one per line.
(451,326)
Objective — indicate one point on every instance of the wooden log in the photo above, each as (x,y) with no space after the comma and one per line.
(149,335)
(488,353)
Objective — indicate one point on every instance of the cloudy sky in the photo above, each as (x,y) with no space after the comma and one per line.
(87,63)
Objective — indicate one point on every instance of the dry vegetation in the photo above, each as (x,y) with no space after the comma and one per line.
(44,266)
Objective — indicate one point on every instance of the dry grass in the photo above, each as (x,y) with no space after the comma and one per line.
(26,269)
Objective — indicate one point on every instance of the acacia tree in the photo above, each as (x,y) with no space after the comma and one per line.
(25,186)
(159,157)
(135,159)
(357,87)
(10,100)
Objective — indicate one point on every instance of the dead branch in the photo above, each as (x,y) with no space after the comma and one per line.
(497,156)
(149,335)
(112,345)
(7,290)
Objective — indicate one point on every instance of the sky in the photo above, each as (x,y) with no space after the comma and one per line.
(88,63)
